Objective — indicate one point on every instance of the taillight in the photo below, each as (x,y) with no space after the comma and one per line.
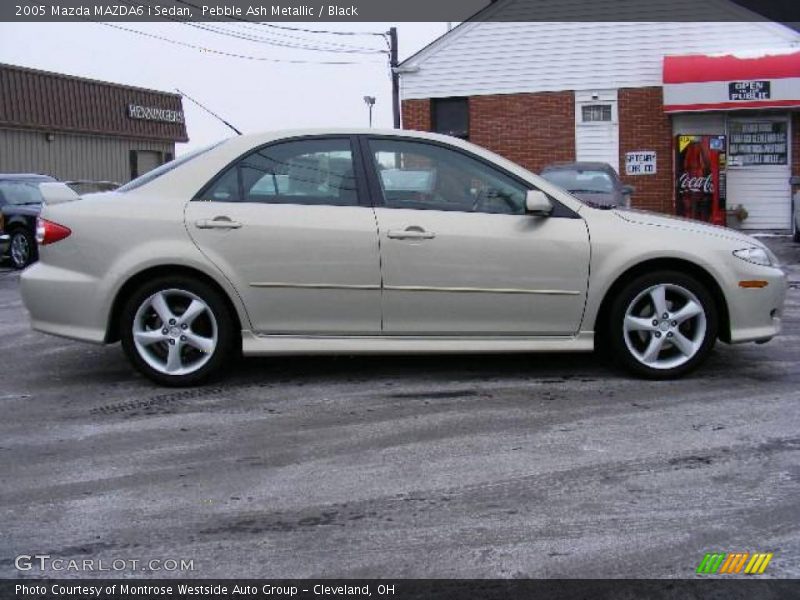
(48,232)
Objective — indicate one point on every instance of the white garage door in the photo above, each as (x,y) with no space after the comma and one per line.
(597,127)
(759,167)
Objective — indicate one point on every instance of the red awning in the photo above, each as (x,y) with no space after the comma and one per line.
(731,82)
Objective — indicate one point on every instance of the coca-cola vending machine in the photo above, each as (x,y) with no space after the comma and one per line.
(700,177)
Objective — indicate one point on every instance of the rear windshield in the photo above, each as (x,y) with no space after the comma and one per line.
(165,168)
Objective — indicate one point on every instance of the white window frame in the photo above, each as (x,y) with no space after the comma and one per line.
(608,97)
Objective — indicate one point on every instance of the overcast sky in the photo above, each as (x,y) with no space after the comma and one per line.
(253,95)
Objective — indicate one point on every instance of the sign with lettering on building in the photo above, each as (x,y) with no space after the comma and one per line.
(754,143)
(641,162)
(152,113)
(742,91)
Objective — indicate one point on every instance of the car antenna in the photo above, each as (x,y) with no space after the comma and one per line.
(212,113)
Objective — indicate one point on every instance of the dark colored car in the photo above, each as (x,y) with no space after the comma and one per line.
(20,205)
(595,183)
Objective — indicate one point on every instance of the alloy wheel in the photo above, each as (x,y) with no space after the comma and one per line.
(664,326)
(20,250)
(175,332)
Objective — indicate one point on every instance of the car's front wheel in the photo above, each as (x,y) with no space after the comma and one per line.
(22,248)
(663,325)
(178,331)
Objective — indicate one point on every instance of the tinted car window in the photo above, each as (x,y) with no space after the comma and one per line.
(318,171)
(20,192)
(425,176)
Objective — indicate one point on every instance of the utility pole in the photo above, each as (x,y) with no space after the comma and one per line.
(395,76)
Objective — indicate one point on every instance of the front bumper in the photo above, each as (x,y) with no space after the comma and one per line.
(755,313)
(4,241)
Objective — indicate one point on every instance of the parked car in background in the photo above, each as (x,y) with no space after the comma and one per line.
(595,183)
(371,241)
(82,187)
(20,205)
(4,239)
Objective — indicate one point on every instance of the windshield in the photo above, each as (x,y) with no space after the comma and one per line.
(165,168)
(573,180)
(20,192)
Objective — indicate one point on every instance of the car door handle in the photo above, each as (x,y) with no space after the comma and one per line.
(217,223)
(410,233)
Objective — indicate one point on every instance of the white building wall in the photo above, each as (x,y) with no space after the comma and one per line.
(500,57)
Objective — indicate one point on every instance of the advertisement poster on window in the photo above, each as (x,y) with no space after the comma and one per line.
(757,143)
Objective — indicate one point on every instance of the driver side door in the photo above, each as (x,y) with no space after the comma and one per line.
(459,254)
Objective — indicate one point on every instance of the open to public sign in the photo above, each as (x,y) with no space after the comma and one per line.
(749,90)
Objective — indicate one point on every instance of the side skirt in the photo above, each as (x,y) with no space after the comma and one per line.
(270,345)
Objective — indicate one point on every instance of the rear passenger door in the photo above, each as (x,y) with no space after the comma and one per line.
(290,226)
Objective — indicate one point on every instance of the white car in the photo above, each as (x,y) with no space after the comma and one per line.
(367,241)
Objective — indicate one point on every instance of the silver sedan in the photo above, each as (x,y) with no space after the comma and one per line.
(370,241)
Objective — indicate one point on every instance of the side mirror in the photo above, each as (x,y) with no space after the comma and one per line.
(628,190)
(537,203)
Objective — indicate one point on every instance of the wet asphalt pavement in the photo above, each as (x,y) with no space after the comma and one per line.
(478,466)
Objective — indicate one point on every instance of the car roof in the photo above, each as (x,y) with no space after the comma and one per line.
(25,177)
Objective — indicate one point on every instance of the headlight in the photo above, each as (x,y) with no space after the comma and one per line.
(757,256)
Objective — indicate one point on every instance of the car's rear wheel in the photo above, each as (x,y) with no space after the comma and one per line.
(177,331)
(21,248)
(663,325)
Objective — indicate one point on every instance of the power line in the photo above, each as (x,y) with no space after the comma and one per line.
(254,27)
(208,110)
(304,44)
(287,28)
(232,54)
(258,40)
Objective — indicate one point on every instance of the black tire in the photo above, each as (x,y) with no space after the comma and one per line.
(24,238)
(615,333)
(796,235)
(228,339)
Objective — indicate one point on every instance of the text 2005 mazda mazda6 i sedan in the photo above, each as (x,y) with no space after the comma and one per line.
(311,242)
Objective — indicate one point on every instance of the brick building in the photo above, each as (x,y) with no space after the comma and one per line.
(540,92)
(81,129)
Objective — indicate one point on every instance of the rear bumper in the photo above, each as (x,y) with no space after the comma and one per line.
(4,241)
(64,303)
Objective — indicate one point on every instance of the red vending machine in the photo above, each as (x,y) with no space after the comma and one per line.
(700,177)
